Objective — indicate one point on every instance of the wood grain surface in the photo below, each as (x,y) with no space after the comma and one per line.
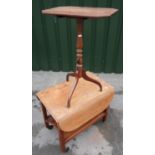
(87,102)
(85,12)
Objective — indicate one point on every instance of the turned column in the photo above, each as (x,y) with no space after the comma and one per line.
(79,47)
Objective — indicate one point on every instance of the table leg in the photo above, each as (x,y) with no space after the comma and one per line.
(70,74)
(45,117)
(86,77)
(80,72)
(62,141)
(72,91)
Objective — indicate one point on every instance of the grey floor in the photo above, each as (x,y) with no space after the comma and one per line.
(100,139)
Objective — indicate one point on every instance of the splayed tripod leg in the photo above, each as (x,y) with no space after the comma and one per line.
(70,74)
(72,91)
(86,77)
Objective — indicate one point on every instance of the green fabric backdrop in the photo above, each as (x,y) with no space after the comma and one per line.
(53,39)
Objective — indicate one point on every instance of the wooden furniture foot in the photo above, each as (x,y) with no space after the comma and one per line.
(70,74)
(86,77)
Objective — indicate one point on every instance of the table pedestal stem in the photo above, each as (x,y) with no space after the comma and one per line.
(80,72)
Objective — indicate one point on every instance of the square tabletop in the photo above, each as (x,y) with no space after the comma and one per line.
(83,12)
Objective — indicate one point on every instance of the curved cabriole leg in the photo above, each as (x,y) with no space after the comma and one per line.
(70,74)
(86,77)
(72,91)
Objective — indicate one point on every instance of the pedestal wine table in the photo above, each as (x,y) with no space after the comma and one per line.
(80,13)
(73,119)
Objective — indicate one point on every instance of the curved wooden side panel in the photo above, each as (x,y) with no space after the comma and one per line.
(87,102)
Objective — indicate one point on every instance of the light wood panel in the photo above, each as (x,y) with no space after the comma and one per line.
(87,102)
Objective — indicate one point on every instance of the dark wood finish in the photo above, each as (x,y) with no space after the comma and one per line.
(46,117)
(80,72)
(80,13)
(84,12)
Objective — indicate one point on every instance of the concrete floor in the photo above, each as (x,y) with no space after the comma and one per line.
(100,139)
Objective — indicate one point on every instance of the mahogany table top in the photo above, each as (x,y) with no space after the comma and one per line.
(83,12)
